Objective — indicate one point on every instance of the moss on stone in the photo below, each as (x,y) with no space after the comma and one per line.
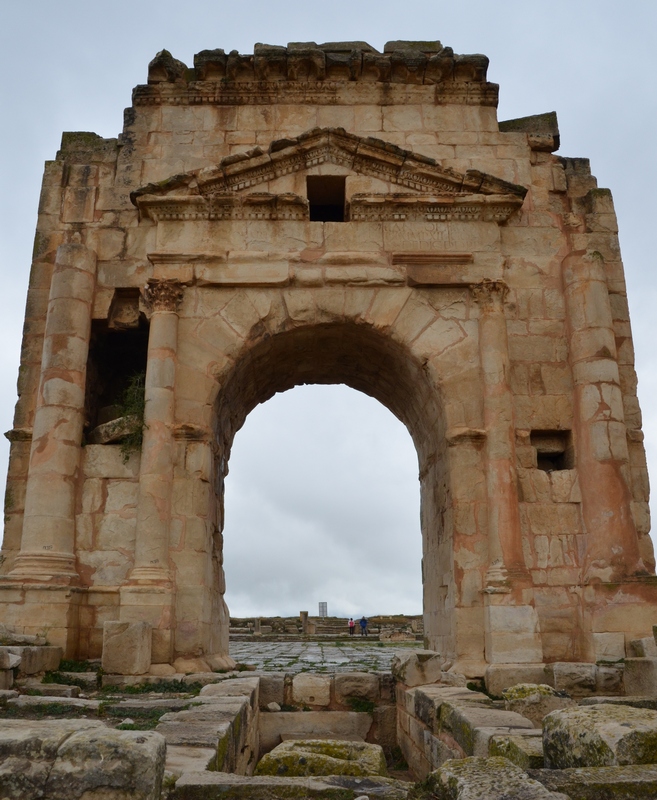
(323,757)
(522,691)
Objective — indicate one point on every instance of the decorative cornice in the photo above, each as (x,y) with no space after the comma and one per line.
(163,295)
(224,207)
(365,156)
(335,72)
(462,208)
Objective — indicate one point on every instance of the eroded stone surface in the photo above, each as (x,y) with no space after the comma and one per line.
(323,757)
(485,779)
(534,701)
(600,735)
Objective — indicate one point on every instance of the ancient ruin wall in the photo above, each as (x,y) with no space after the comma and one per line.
(475,288)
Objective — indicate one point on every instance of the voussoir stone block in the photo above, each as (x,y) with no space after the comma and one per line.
(600,735)
(126,647)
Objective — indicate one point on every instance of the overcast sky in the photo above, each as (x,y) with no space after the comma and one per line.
(322,499)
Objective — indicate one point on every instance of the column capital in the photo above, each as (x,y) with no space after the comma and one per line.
(163,295)
(490,295)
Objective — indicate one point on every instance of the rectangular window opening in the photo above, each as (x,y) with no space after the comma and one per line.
(326,197)
(554,450)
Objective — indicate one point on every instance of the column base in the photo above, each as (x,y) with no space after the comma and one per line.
(46,609)
(153,604)
(51,568)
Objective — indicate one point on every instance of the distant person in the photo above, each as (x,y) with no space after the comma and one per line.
(363,626)
(352,625)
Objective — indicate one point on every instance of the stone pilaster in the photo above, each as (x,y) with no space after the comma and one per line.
(511,623)
(148,594)
(48,538)
(602,458)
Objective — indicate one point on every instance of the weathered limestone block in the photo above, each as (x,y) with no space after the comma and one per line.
(503,676)
(535,701)
(632,701)
(484,779)
(234,687)
(609,678)
(356,684)
(417,668)
(36,659)
(8,660)
(473,725)
(220,662)
(314,690)
(6,679)
(640,676)
(126,647)
(425,702)
(352,725)
(601,735)
(190,665)
(272,688)
(609,646)
(525,752)
(66,759)
(578,679)
(643,648)
(636,782)
(9,637)
(73,703)
(102,763)
(323,757)
(203,785)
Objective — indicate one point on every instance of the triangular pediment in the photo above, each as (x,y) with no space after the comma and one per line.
(365,156)
(219,191)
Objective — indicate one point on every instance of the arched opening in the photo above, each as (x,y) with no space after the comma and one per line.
(373,363)
(322,504)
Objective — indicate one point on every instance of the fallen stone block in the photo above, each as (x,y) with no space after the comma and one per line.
(472,726)
(108,763)
(36,659)
(635,782)
(502,676)
(578,679)
(525,752)
(28,749)
(8,660)
(417,667)
(640,676)
(10,637)
(217,785)
(535,701)
(323,757)
(600,736)
(126,647)
(181,759)
(483,779)
(643,648)
(361,685)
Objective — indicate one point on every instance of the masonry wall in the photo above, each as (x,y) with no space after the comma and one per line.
(246,279)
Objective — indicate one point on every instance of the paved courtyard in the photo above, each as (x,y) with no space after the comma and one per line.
(338,656)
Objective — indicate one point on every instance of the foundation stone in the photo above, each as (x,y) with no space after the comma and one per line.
(126,648)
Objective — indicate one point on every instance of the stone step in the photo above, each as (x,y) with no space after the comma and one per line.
(634,782)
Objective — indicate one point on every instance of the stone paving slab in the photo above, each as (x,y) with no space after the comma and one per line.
(298,656)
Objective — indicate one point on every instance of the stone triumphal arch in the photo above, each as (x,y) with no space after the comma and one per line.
(329,214)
